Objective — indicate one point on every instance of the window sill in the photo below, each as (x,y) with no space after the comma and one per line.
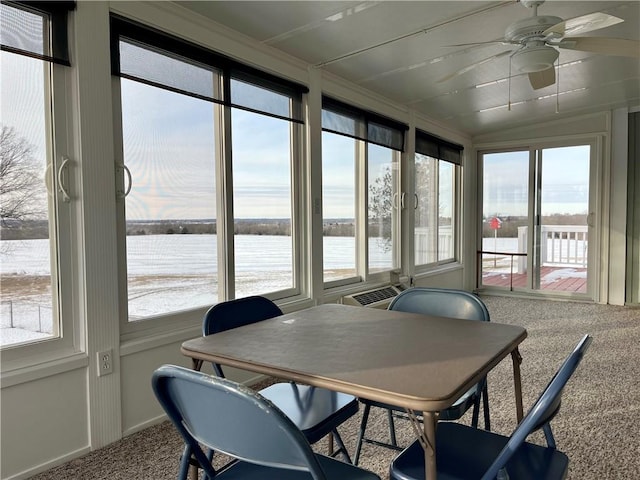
(17,372)
(437,270)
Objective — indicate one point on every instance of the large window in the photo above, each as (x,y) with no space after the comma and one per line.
(209,149)
(262,204)
(360,183)
(436,176)
(34,184)
(339,167)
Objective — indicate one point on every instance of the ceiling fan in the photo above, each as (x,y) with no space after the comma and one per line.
(539,37)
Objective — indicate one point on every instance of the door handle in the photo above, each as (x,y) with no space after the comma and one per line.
(122,193)
(64,189)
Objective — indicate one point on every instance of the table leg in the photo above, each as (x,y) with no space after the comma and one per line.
(517,382)
(193,470)
(196,364)
(430,422)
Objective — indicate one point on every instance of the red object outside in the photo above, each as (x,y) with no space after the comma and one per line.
(495,223)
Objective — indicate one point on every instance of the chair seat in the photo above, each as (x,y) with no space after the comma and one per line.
(315,411)
(465,453)
(334,470)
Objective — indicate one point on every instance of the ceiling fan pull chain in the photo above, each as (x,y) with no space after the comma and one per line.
(509,101)
(558,86)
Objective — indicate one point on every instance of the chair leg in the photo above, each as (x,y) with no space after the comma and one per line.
(210,454)
(484,397)
(392,428)
(476,413)
(485,403)
(548,435)
(341,446)
(363,428)
(185,463)
(192,460)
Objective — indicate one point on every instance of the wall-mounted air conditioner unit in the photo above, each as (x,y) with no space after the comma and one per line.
(376,298)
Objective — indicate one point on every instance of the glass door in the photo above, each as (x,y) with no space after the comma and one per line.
(562,234)
(536,216)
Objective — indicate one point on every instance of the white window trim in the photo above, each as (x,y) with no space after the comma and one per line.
(454,262)
(65,244)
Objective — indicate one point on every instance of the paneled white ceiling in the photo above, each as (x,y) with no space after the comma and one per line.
(402,51)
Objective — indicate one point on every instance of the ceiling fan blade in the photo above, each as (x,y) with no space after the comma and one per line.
(543,78)
(489,42)
(607,46)
(472,66)
(583,24)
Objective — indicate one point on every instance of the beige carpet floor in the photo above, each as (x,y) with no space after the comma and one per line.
(598,425)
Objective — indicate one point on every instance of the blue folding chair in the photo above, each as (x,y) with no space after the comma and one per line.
(439,302)
(317,412)
(230,418)
(465,453)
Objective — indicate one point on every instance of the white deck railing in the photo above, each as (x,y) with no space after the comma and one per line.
(424,251)
(561,245)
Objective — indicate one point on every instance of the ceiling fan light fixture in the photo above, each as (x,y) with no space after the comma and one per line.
(534,58)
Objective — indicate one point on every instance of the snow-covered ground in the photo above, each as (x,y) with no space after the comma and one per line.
(160,282)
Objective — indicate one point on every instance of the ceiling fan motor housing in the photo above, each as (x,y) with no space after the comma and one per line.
(530,28)
(535,55)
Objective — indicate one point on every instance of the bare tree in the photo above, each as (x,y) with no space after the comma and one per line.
(20,187)
(380,208)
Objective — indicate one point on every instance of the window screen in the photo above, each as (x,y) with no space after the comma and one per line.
(187,68)
(435,147)
(343,119)
(36,29)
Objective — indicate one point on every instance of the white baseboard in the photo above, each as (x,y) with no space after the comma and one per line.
(43,467)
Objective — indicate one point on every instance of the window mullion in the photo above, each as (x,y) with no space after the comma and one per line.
(362,210)
(396,211)
(225,218)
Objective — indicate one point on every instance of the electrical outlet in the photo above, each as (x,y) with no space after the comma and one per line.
(105,362)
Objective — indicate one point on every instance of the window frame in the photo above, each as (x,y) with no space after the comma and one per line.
(440,150)
(222,109)
(365,132)
(63,216)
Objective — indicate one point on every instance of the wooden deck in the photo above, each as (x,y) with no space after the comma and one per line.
(559,279)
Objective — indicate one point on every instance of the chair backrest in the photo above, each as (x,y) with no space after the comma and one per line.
(543,410)
(441,302)
(233,419)
(237,313)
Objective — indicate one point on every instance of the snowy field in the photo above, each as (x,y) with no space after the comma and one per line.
(159,282)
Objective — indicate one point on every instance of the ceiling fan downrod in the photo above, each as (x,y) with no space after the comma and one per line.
(533,4)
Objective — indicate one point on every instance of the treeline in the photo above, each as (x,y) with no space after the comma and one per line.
(241,227)
(24,229)
(38,229)
(509,225)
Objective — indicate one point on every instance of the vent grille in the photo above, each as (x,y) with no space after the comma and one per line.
(374,296)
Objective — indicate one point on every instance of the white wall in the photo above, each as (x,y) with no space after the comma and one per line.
(44,422)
